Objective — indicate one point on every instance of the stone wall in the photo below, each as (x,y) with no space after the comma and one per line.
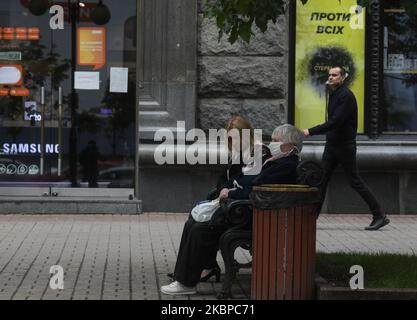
(242,79)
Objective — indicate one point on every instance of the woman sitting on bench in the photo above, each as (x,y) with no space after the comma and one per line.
(199,240)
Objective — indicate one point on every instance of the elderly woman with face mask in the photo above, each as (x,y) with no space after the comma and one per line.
(278,167)
(199,241)
(281,167)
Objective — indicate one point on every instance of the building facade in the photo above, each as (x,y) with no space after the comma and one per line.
(85,86)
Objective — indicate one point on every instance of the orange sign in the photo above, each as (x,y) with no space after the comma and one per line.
(8,30)
(21,30)
(91,47)
(8,36)
(21,36)
(33,36)
(34,30)
(4,92)
(19,33)
(19,92)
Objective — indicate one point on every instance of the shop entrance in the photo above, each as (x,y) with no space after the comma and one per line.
(67,97)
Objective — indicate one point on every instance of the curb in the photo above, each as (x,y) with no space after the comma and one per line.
(327,291)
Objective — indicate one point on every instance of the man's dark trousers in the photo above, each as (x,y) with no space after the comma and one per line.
(344,153)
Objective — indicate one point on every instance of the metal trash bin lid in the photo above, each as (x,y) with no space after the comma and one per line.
(278,196)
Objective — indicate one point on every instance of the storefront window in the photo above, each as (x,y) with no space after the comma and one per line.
(67,93)
(400,69)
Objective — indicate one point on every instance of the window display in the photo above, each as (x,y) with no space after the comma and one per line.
(61,120)
(400,69)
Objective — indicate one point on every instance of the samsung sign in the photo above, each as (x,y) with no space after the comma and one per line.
(26,148)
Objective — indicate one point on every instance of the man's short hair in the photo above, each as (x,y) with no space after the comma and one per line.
(342,70)
(287,133)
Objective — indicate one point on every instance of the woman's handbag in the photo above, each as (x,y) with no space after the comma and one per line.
(204,210)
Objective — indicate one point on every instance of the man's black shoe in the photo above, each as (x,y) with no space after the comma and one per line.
(377,223)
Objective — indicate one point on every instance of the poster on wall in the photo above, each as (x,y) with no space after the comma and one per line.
(327,33)
(119,79)
(86,80)
(91,47)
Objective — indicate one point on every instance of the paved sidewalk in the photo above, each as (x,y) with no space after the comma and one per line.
(128,257)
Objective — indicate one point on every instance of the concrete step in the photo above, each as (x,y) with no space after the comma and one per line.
(69,205)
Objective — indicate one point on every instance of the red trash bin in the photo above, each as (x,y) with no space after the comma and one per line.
(284,242)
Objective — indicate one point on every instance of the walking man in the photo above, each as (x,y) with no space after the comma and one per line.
(340,128)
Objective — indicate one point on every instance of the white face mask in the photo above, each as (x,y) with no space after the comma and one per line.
(275,148)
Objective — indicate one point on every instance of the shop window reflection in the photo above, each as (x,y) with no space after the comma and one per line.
(400,69)
(89,158)
(39,62)
(122,117)
(106,117)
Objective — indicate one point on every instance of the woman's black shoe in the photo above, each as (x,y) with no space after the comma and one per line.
(214,272)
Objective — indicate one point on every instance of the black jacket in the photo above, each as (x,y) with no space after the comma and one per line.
(234,171)
(280,171)
(342,122)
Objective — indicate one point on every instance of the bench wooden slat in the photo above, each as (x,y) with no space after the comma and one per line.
(265,253)
(273,259)
(304,253)
(297,257)
(289,274)
(259,248)
(255,238)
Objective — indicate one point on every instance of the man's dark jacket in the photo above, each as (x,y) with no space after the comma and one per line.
(342,122)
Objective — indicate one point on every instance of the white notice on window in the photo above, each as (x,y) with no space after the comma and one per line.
(118,79)
(85,80)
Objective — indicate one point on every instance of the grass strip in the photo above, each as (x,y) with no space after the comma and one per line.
(380,270)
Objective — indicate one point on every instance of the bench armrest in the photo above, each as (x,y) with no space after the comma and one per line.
(238,212)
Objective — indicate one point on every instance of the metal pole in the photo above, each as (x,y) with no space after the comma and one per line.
(74,98)
(42,129)
(59,131)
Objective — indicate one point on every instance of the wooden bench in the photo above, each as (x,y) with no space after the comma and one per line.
(238,214)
